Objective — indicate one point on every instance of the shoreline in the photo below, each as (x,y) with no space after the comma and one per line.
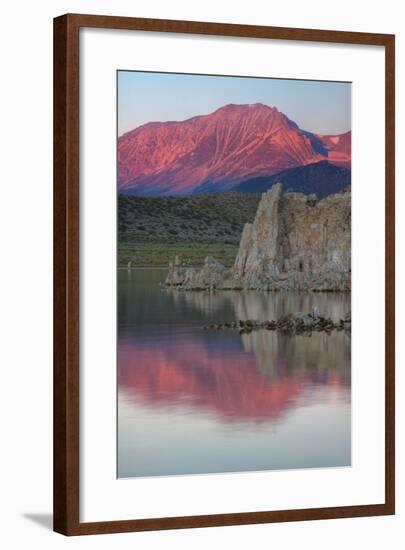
(141,268)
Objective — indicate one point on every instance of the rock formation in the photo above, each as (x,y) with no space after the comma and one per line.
(210,276)
(294,243)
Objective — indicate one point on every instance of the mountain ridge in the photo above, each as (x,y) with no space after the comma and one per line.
(321,178)
(226,147)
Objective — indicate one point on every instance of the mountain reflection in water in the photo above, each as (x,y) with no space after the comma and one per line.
(174,375)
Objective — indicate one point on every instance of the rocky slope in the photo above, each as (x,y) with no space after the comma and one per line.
(215,152)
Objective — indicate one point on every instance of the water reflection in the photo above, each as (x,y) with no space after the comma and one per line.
(261,305)
(170,368)
(256,376)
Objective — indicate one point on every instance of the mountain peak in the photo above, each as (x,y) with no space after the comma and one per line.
(244,109)
(230,145)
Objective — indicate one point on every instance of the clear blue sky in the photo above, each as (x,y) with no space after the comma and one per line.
(322,107)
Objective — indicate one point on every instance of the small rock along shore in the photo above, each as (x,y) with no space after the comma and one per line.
(301,323)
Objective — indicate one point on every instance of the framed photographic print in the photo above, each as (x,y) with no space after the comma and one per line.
(224,274)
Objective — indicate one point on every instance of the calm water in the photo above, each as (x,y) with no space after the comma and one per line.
(199,401)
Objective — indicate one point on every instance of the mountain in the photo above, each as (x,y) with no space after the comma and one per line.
(321,178)
(339,148)
(219,150)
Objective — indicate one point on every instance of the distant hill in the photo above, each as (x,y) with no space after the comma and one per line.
(151,230)
(196,217)
(321,178)
(215,152)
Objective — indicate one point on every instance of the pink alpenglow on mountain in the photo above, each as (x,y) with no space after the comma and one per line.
(339,148)
(221,149)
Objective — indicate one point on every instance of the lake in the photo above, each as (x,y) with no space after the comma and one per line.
(195,401)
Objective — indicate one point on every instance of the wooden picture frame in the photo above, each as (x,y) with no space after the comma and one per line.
(67,282)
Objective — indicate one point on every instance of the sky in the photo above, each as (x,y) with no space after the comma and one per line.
(316,106)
